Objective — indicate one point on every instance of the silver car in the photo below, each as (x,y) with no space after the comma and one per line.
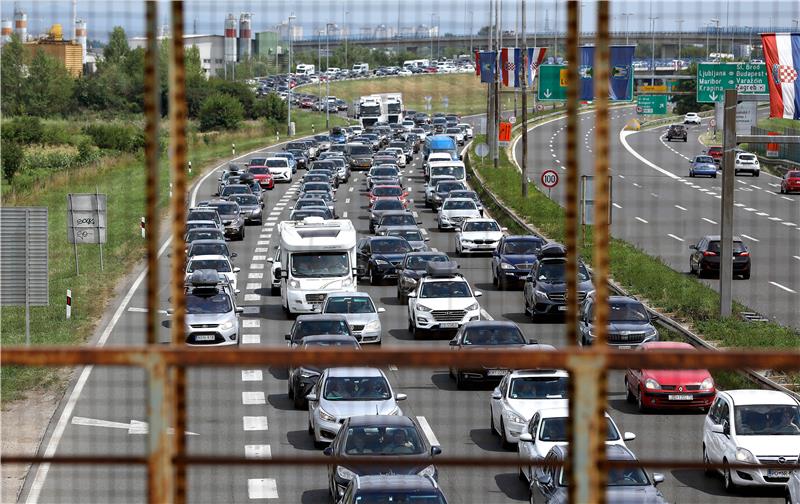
(212,317)
(360,312)
(413,236)
(344,392)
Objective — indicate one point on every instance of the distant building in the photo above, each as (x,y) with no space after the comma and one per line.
(284,33)
(68,52)
(267,44)
(211,47)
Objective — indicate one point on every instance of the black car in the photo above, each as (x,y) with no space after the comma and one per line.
(378,257)
(300,157)
(231,216)
(629,323)
(483,334)
(545,290)
(383,175)
(360,156)
(513,259)
(303,378)
(676,131)
(317,324)
(382,206)
(412,268)
(704,258)
(381,438)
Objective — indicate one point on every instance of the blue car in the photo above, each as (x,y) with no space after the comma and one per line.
(338,136)
(703,166)
(513,259)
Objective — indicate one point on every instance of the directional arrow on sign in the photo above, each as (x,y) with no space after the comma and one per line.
(713,96)
(547,93)
(134,427)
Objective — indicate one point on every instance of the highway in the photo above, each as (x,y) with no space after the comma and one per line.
(657,207)
(246,411)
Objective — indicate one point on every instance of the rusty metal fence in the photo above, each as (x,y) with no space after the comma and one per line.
(166,458)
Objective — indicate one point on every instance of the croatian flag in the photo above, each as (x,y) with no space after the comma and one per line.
(782,54)
(535,59)
(510,66)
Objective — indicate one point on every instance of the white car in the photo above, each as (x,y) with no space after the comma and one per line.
(747,163)
(275,280)
(344,392)
(454,211)
(478,235)
(280,169)
(399,154)
(408,125)
(467,128)
(220,263)
(548,428)
(691,118)
(522,393)
(405,72)
(443,300)
(793,488)
(752,427)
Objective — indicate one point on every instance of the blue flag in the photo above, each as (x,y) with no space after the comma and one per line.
(586,72)
(621,74)
(488,61)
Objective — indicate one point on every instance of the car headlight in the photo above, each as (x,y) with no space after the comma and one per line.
(395,411)
(506,266)
(651,384)
(324,415)
(744,455)
(408,281)
(381,262)
(707,384)
(307,373)
(444,218)
(473,306)
(226,325)
(373,325)
(466,241)
(515,418)
(651,333)
(540,295)
(422,308)
(345,473)
(294,284)
(428,471)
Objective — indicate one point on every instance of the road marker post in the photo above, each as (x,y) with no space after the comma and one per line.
(141,225)
(190,167)
(233,149)
(69,304)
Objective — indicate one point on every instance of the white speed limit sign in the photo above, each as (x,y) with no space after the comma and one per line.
(549,179)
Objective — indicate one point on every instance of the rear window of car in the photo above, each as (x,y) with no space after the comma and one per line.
(278,163)
(793,174)
(737,247)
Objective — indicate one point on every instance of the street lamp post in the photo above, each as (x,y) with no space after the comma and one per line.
(627,16)
(346,13)
(289,109)
(716,22)
(749,42)
(431,30)
(708,50)
(328,76)
(653,50)
(471,50)
(680,32)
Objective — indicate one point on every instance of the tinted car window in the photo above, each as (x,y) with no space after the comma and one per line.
(555,271)
(554,430)
(390,246)
(481,226)
(388,441)
(460,205)
(367,388)
(387,191)
(420,262)
(493,336)
(214,264)
(312,327)
(388,204)
(536,387)
(521,247)
(630,312)
(354,304)
(445,289)
(201,304)
(399,220)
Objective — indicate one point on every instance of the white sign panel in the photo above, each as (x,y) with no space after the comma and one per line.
(745,117)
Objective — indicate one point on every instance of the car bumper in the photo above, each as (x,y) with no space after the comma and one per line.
(282,176)
(494,374)
(385,271)
(266,183)
(704,173)
(299,302)
(325,431)
(198,337)
(513,431)
(232,230)
(758,477)
(368,337)
(426,320)
(548,306)
(449,224)
(671,399)
(514,275)
(471,247)
(713,265)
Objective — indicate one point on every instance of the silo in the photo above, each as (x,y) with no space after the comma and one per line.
(230,39)
(21,24)
(7,29)
(245,36)
(80,37)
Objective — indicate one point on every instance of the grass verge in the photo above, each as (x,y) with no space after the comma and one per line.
(123,180)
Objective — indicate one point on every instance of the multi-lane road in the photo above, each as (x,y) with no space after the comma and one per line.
(247,411)
(657,207)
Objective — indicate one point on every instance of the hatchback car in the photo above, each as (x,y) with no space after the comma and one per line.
(382,206)
(691,118)
(746,163)
(704,258)
(231,215)
(209,247)
(442,191)
(483,334)
(413,235)
(395,219)
(360,312)
(790,182)
(219,263)
(302,378)
(250,207)
(317,324)
(212,316)
(702,166)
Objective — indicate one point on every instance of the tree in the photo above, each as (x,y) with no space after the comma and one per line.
(49,86)
(686,103)
(238,90)
(12,77)
(484,31)
(11,157)
(117,48)
(220,111)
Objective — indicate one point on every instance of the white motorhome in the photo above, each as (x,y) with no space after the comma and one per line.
(304,69)
(317,257)
(418,63)
(371,110)
(361,68)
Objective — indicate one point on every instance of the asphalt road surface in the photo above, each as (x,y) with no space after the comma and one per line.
(246,411)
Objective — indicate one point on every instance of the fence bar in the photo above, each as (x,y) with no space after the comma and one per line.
(151,154)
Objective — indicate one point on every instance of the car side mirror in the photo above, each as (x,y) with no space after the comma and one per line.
(237,269)
(270,259)
(311,397)
(234,254)
(426,239)
(436,450)
(658,478)
(629,436)
(496,394)
(381,310)
(526,437)
(726,427)
(287,337)
(453,342)
(239,309)
(237,291)
(412,294)
(503,229)
(419,222)
(543,478)
(170,311)
(328,451)
(400,397)
(478,293)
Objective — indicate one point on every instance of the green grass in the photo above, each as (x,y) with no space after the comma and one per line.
(649,278)
(778,124)
(465,93)
(122,178)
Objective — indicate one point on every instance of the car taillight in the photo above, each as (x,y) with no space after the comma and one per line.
(709,253)
(744,254)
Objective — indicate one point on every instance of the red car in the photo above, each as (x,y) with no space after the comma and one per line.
(790,182)
(306,103)
(716,153)
(262,175)
(669,389)
(388,191)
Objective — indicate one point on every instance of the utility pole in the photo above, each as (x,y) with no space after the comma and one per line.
(726,231)
(524,105)
(431,30)
(653,46)
(497,104)
(328,75)
(680,32)
(471,50)
(491,131)
(346,30)
(289,109)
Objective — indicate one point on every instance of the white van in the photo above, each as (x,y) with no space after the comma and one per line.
(304,69)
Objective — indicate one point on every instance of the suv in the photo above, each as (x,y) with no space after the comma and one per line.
(212,317)
(393,488)
(629,323)
(705,257)
(205,214)
(442,300)
(676,131)
(545,287)
(691,118)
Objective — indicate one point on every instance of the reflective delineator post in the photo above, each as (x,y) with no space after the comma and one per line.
(141,225)
(233,149)
(69,304)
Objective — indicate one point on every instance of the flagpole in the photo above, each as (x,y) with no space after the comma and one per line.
(497,104)
(491,131)
(524,85)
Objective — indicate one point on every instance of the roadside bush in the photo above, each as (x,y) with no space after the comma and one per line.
(24,130)
(220,111)
(11,157)
(56,134)
(51,158)
(115,137)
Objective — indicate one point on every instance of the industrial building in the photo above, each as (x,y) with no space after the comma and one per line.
(68,52)
(211,48)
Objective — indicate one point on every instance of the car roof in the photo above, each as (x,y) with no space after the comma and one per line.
(207,241)
(757,396)
(528,373)
(623,300)
(386,238)
(329,337)
(405,228)
(717,238)
(461,199)
(613,452)
(382,420)
(490,323)
(348,294)
(479,219)
(354,371)
(426,253)
(208,257)
(312,317)
(559,412)
(524,238)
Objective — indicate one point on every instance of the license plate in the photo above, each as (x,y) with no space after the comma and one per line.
(496,372)
(681,397)
(562,308)
(204,337)
(448,325)
(777,473)
(624,347)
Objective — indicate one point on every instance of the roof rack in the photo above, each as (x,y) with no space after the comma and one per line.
(206,278)
(441,269)
(552,250)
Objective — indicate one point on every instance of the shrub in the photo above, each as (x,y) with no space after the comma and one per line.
(115,137)
(220,111)
(24,130)
(56,134)
(11,156)
(52,158)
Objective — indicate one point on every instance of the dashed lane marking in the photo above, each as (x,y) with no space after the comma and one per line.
(641,220)
(262,488)
(259,258)
(681,208)
(252,375)
(251,339)
(252,297)
(616,206)
(787,289)
(675,237)
(776,219)
(259,451)
(750,237)
(254,423)
(255,275)
(256,266)
(251,323)
(708,220)
(253,286)
(253,397)
(261,249)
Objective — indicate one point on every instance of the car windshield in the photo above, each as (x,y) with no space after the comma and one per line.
(234,189)
(257,162)
(220,265)
(278,163)
(246,199)
(505,335)
(554,430)
(305,328)
(481,226)
(445,289)
(325,196)
(196,215)
(453,130)
(200,304)
(738,247)
(203,234)
(420,262)
(555,271)
(259,170)
(349,304)
(390,246)
(315,186)
(209,249)
(538,387)
(399,496)
(310,202)
(331,343)
(309,212)
(383,441)
(464,194)
(793,174)
(627,312)
(448,186)
(388,204)
(460,205)
(521,247)
(285,155)
(398,220)
(767,420)
(357,388)
(627,476)
(384,172)
(408,235)
(704,159)
(320,264)
(387,191)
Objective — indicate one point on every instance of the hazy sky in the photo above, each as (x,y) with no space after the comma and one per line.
(455,16)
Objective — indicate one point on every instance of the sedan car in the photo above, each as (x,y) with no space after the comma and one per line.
(302,213)
(746,163)
(219,263)
(454,211)
(703,166)
(413,235)
(263,176)
(478,235)
(395,219)
(691,118)
(666,388)
(280,169)
(463,193)
(380,439)
(203,233)
(315,324)
(483,334)
(209,247)
(378,257)
(384,191)
(250,207)
(232,218)
(302,378)
(359,311)
(629,324)
(513,259)
(382,206)
(341,393)
(393,488)
(704,258)
(790,182)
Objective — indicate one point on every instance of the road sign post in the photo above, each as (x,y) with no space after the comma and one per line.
(86,222)
(714,78)
(549,180)
(651,104)
(552,83)
(726,221)
(504,134)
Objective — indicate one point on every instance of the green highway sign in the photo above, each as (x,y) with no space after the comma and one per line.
(552,83)
(651,104)
(714,78)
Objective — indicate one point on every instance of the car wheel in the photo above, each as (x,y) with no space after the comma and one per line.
(691,174)
(506,444)
(727,480)
(290,389)
(300,402)
(461,385)
(757,173)
(502,283)
(275,290)
(707,471)
(628,394)
(746,275)
(492,428)
(640,402)
(782,191)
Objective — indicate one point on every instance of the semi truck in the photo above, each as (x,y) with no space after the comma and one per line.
(394,107)
(371,110)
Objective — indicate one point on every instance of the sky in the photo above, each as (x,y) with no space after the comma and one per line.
(453,16)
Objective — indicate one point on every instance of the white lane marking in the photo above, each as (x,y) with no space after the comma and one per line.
(253,397)
(787,198)
(681,208)
(426,428)
(256,266)
(708,220)
(347,201)
(136,309)
(252,297)
(274,213)
(255,275)
(254,423)
(257,451)
(776,219)
(253,286)
(797,257)
(749,237)
(251,323)
(272,219)
(750,209)
(486,315)
(788,223)
(762,214)
(654,195)
(616,206)
(351,189)
(622,176)
(259,258)
(787,289)
(637,185)
(265,235)
(250,310)
(262,242)
(641,220)
(675,237)
(251,339)
(738,205)
(344,215)
(261,250)
(252,375)
(262,488)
